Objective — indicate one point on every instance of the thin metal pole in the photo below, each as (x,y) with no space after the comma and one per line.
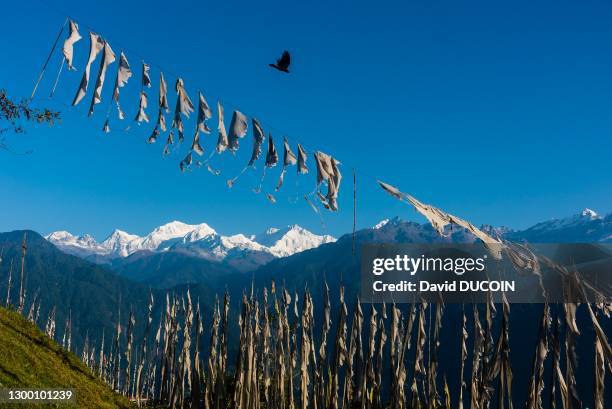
(354,208)
(57,78)
(44,67)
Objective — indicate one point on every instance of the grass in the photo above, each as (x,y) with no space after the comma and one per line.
(28,358)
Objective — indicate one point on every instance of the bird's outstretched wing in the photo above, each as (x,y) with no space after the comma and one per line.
(285,59)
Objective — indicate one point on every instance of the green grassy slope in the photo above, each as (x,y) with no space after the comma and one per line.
(29,359)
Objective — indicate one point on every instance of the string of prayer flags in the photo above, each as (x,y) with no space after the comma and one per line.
(439,219)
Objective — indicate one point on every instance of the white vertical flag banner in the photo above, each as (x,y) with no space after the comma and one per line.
(163,93)
(107,59)
(68,49)
(123,75)
(96,44)
(142,115)
(204,114)
(222,139)
(146,79)
(238,129)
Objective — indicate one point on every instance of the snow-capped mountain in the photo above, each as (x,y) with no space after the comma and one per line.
(290,240)
(81,246)
(585,216)
(166,236)
(117,243)
(242,252)
(586,226)
(381,224)
(384,222)
(198,240)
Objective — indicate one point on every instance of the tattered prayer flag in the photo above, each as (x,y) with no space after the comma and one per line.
(439,219)
(195,145)
(258,138)
(146,79)
(68,49)
(161,121)
(238,129)
(107,59)
(301,161)
(142,115)
(272,155)
(163,93)
(183,106)
(154,135)
(289,159)
(169,142)
(183,102)
(328,171)
(185,163)
(96,44)
(123,75)
(204,114)
(239,121)
(222,139)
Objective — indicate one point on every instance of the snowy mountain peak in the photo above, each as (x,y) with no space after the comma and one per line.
(495,231)
(172,229)
(200,240)
(164,236)
(242,242)
(586,216)
(117,242)
(79,245)
(591,214)
(393,221)
(88,239)
(63,236)
(290,240)
(60,235)
(199,232)
(583,227)
(119,235)
(381,224)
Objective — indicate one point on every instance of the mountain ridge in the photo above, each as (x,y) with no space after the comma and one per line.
(199,240)
(586,226)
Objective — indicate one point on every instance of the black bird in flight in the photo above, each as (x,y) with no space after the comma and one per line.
(282,64)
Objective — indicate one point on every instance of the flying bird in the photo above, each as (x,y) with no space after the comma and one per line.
(282,64)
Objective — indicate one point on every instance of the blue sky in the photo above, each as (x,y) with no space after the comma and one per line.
(499,113)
